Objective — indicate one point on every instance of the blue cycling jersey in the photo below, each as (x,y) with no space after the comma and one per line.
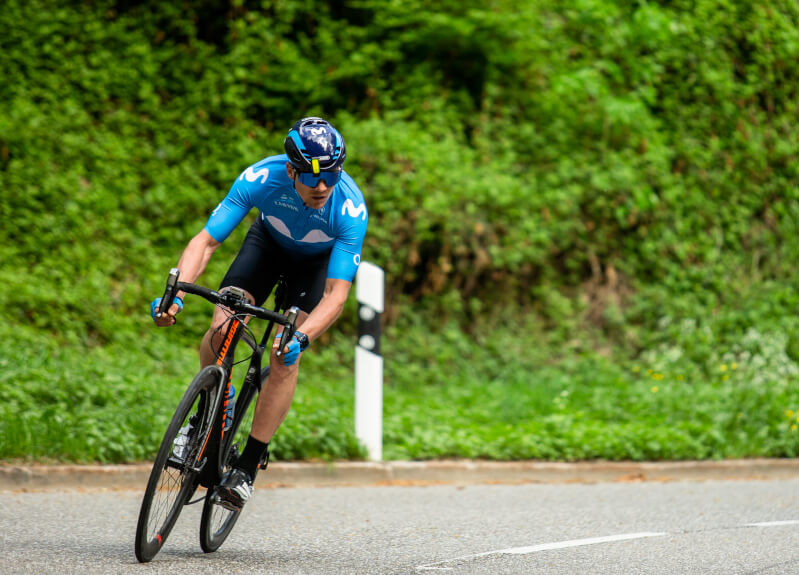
(339,227)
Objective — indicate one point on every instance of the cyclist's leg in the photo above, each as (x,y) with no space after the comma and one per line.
(305,284)
(276,397)
(214,337)
(271,409)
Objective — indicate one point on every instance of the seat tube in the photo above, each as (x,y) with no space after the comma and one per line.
(224,359)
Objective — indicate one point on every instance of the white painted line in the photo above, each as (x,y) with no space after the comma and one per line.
(773,523)
(543,547)
(573,543)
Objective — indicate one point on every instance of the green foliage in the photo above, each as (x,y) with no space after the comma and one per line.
(546,147)
(112,404)
(603,178)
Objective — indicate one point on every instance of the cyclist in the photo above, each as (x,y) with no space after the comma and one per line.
(310,229)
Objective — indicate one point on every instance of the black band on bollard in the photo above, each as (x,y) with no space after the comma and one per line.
(368,328)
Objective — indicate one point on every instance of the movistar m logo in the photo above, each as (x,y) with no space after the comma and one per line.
(252,175)
(349,208)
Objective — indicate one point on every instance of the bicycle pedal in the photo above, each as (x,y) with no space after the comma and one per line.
(176,463)
(216,500)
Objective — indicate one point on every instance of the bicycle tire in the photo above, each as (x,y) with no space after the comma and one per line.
(173,480)
(217,521)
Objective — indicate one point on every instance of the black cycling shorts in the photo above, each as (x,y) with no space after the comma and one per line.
(260,263)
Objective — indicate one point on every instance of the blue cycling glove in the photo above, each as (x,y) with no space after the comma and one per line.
(157,302)
(294,348)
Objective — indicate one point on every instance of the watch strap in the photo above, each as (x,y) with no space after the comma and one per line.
(302,339)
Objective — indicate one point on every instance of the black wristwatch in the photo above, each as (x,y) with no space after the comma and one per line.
(302,339)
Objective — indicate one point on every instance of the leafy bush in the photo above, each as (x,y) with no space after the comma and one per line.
(603,178)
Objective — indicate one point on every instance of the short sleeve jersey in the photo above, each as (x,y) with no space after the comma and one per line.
(338,227)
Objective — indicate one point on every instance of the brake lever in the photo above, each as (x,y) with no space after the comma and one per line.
(288,329)
(169,292)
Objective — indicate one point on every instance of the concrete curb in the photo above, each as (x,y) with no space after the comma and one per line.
(338,474)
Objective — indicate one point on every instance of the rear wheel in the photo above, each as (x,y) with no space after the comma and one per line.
(217,520)
(174,477)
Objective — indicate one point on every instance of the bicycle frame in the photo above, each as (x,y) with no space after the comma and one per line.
(236,331)
(252,381)
(200,421)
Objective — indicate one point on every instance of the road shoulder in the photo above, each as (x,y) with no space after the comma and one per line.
(321,474)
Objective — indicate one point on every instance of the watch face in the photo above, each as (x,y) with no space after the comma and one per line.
(302,339)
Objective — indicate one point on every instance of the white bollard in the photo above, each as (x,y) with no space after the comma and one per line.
(369,292)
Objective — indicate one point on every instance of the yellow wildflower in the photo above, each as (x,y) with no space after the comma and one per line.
(654,389)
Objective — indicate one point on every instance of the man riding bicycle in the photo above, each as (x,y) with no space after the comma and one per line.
(310,230)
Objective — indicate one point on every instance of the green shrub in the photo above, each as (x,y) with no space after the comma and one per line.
(602,179)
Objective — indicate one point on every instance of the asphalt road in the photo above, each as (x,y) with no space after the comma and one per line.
(734,527)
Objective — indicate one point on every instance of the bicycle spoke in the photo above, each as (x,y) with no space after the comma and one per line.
(219,518)
(174,477)
(166,494)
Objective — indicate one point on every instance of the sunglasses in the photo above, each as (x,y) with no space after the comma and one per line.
(311,180)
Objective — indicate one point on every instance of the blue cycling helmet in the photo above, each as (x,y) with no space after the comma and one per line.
(313,145)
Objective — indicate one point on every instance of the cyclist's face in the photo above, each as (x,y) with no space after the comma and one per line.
(314,198)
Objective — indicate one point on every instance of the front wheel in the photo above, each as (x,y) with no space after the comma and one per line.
(217,520)
(177,465)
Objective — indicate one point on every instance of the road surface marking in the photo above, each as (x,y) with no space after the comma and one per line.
(542,547)
(773,523)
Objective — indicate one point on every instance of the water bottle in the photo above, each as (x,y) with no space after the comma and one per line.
(231,394)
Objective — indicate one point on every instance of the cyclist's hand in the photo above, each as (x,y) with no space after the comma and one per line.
(168,318)
(291,352)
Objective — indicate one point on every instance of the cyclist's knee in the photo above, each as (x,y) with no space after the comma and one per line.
(279,371)
(218,329)
(215,337)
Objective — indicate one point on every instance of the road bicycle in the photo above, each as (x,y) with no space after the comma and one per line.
(198,446)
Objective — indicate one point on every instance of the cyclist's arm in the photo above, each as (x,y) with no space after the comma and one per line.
(196,257)
(328,309)
(227,215)
(344,260)
(191,265)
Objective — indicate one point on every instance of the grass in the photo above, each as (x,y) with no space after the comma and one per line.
(600,413)
(447,395)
